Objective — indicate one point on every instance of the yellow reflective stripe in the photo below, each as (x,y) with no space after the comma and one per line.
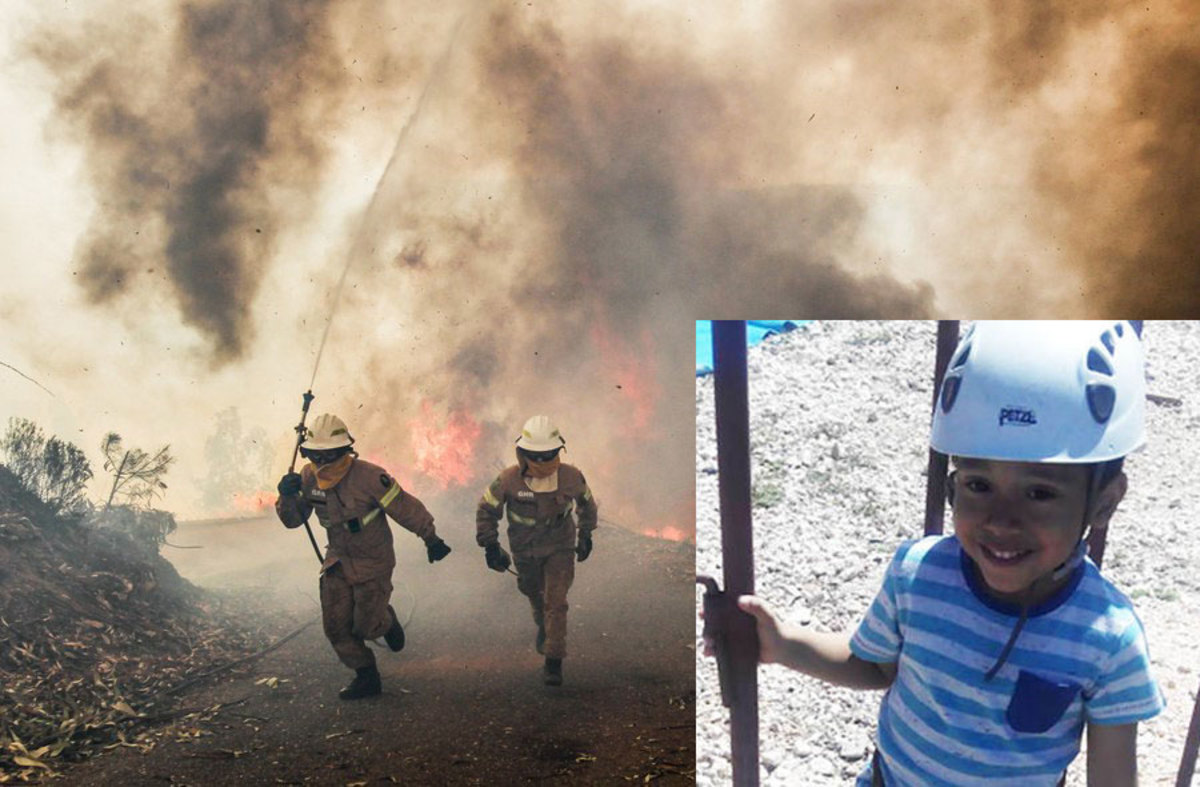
(521,520)
(389,496)
(587,493)
(490,499)
(384,502)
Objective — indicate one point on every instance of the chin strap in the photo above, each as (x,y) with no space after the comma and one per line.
(1064,570)
(1008,646)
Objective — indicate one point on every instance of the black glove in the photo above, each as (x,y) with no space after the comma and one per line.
(497,559)
(584,547)
(436,548)
(289,485)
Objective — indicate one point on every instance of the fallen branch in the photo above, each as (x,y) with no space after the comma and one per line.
(232,664)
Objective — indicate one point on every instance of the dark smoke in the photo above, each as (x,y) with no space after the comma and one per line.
(1028,36)
(1148,262)
(1126,187)
(184,145)
(624,153)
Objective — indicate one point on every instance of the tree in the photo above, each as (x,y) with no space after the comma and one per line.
(137,475)
(239,460)
(53,469)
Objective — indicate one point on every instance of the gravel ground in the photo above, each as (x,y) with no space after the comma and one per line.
(839,424)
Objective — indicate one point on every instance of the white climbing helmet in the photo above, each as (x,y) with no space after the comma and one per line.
(1032,391)
(327,432)
(540,434)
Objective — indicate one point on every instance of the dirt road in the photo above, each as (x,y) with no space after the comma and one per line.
(464,702)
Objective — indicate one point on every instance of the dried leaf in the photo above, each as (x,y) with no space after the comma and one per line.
(123,707)
(29,762)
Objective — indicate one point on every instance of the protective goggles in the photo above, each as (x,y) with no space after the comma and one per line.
(540,456)
(324,457)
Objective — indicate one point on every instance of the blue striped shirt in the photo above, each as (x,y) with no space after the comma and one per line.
(1081,656)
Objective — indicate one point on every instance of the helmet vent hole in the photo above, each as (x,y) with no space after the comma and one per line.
(1120,328)
(950,388)
(1098,363)
(1109,341)
(1100,398)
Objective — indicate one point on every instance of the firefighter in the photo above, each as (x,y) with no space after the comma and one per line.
(351,497)
(543,497)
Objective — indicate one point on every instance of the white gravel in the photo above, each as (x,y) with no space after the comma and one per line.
(839,417)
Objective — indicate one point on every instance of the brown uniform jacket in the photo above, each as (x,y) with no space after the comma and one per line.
(366,488)
(539,523)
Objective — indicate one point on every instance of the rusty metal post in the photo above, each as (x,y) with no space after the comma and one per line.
(1187,766)
(935,482)
(737,544)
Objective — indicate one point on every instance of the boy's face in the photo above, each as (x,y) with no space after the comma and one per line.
(1018,520)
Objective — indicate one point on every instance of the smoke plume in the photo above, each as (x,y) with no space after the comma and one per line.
(189,142)
(571,187)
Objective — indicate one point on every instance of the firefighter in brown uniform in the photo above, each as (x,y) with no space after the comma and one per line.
(540,494)
(351,497)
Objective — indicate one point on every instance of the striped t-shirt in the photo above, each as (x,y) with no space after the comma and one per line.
(1080,657)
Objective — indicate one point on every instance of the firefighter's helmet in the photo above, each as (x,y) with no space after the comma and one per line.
(540,434)
(327,432)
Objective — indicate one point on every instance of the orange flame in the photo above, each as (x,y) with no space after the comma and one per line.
(668,533)
(253,502)
(444,451)
(633,378)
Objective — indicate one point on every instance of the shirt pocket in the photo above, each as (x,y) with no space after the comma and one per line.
(1038,703)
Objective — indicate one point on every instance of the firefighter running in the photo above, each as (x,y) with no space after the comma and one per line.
(351,497)
(541,495)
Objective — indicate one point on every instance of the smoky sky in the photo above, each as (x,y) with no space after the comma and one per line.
(619,154)
(574,188)
(182,143)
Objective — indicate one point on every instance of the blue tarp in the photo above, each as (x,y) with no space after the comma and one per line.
(756,331)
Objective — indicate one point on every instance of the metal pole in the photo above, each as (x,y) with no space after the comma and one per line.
(1187,766)
(737,543)
(935,482)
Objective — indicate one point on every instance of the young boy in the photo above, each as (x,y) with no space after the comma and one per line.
(997,643)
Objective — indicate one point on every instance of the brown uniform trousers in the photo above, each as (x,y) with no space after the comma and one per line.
(541,535)
(356,576)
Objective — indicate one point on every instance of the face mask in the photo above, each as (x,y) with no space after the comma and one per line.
(329,475)
(541,469)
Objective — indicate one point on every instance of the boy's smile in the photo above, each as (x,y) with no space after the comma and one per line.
(1019,521)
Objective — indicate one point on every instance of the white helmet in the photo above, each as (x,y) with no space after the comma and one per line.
(327,432)
(1026,391)
(540,434)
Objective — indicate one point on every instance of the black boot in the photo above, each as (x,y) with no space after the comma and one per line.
(365,684)
(540,643)
(395,635)
(552,672)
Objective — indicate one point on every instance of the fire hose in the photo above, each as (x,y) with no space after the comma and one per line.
(308,397)
(356,248)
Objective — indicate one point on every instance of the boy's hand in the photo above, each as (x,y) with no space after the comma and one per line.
(770,637)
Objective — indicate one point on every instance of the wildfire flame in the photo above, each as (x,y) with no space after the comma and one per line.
(253,502)
(444,451)
(628,365)
(668,533)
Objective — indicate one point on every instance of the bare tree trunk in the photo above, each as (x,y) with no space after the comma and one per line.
(116,481)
